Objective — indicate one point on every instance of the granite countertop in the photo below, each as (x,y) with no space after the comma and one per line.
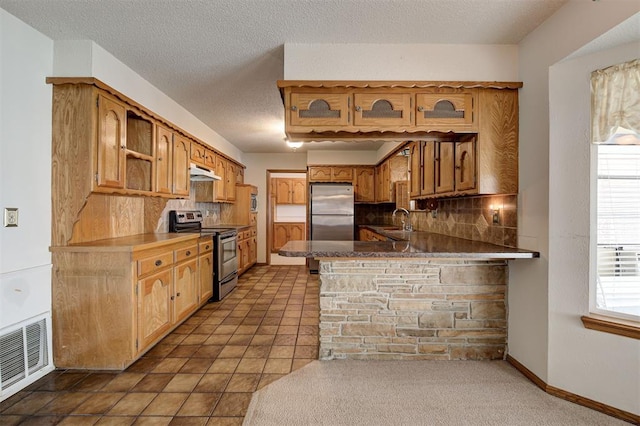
(403,244)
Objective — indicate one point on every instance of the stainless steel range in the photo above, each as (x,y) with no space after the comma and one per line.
(225,270)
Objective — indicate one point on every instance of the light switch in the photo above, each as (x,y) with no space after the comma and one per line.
(10,216)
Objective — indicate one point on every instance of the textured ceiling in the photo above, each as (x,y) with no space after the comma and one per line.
(220,59)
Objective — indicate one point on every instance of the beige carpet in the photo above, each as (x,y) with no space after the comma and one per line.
(412,393)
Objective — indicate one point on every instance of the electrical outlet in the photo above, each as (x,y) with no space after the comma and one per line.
(496,217)
(10,216)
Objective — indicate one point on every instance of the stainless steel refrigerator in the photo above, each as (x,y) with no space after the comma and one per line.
(331,211)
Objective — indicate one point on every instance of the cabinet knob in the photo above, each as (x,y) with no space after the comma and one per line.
(420,108)
(158,262)
(294,108)
(206,247)
(178,294)
(358,108)
(188,253)
(159,158)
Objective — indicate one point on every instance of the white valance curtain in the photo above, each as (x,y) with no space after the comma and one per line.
(615,104)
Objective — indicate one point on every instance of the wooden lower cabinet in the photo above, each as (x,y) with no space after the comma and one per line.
(287,231)
(205,268)
(186,288)
(154,307)
(111,303)
(365,234)
(364,184)
(247,248)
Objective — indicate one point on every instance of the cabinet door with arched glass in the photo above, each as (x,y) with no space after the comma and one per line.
(382,110)
(319,110)
(447,110)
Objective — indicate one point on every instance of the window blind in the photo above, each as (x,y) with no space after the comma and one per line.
(618,236)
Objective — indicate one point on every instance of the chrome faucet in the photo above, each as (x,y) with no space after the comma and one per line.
(405,226)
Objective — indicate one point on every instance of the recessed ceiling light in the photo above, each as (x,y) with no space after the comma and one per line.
(294,145)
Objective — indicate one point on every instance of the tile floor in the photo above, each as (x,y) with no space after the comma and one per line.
(203,373)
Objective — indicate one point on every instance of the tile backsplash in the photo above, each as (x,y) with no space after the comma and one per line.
(212,212)
(467,217)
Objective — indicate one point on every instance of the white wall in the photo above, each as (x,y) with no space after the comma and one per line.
(25,170)
(609,367)
(540,316)
(445,62)
(256,174)
(84,58)
(25,177)
(342,157)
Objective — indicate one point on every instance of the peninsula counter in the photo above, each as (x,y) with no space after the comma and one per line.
(426,297)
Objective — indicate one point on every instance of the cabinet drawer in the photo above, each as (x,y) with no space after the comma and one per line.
(186,253)
(205,246)
(154,263)
(246,234)
(254,232)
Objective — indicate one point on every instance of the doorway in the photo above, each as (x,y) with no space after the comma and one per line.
(286,213)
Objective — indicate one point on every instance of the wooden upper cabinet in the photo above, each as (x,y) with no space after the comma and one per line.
(210,159)
(283,191)
(415,169)
(230,181)
(181,155)
(444,170)
(341,174)
(239,175)
(291,191)
(364,184)
(318,109)
(198,154)
(319,173)
(299,191)
(220,186)
(384,193)
(330,173)
(203,156)
(139,152)
(447,109)
(382,109)
(497,142)
(465,165)
(164,156)
(111,143)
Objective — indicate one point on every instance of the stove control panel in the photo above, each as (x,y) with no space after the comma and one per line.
(188,216)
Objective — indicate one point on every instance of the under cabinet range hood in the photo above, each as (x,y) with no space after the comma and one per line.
(201,174)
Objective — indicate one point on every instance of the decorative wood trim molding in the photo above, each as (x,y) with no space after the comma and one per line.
(527,373)
(124,98)
(612,325)
(572,397)
(399,84)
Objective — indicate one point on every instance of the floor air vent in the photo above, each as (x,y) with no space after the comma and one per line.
(23,352)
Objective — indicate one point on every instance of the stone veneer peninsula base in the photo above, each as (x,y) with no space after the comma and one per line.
(413,309)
